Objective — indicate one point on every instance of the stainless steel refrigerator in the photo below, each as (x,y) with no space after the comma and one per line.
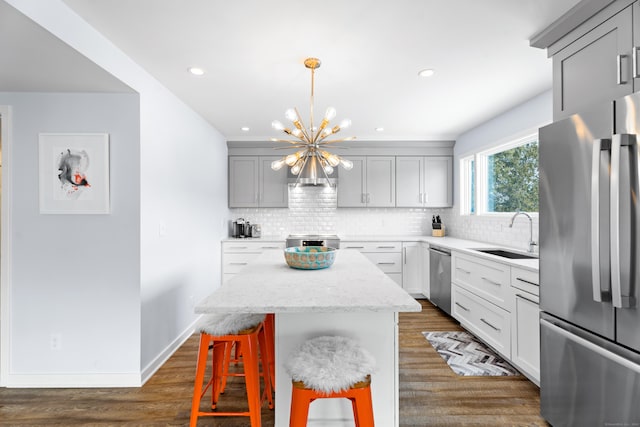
(590,267)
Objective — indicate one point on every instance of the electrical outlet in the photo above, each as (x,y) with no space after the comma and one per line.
(55,341)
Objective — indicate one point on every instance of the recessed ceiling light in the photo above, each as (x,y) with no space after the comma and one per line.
(379,129)
(245,128)
(428,72)
(196,71)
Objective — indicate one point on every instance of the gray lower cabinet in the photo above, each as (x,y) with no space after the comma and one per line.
(424,181)
(371,183)
(252,183)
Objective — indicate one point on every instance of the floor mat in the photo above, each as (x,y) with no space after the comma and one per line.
(468,356)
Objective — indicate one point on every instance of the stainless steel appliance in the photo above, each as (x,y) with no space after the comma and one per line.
(237,228)
(590,267)
(440,277)
(330,240)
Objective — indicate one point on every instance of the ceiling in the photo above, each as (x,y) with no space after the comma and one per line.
(252,52)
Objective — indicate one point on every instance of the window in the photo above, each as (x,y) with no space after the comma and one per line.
(503,179)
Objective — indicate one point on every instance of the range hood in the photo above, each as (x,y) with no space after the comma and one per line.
(312,175)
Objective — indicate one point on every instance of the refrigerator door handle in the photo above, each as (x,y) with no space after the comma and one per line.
(619,140)
(599,294)
(591,346)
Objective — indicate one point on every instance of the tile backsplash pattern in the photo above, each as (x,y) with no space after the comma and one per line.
(314,210)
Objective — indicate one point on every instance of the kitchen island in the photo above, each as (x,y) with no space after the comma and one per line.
(352,298)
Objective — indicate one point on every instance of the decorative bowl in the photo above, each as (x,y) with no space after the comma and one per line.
(309,257)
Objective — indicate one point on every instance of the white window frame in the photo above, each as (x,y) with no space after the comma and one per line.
(465,185)
(481,170)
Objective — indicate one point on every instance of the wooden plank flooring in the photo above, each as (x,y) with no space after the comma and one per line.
(430,393)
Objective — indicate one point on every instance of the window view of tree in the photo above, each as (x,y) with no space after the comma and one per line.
(512,179)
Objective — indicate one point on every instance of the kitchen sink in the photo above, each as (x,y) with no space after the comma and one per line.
(506,253)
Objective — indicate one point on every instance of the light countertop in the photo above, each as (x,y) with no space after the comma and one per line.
(452,243)
(269,285)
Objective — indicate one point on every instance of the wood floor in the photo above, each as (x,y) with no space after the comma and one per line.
(430,393)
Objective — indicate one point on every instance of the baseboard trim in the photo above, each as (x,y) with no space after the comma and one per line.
(72,380)
(112,380)
(162,358)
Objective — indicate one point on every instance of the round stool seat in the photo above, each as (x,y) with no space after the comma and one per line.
(330,364)
(228,323)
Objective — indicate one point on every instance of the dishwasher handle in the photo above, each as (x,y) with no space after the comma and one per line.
(440,251)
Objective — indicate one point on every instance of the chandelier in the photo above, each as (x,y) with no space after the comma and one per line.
(312,160)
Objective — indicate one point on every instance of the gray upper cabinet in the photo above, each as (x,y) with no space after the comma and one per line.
(596,67)
(594,47)
(371,183)
(252,183)
(424,181)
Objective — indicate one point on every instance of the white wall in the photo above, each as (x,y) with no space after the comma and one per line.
(74,275)
(513,124)
(182,173)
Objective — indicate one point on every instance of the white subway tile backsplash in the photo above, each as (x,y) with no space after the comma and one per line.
(314,210)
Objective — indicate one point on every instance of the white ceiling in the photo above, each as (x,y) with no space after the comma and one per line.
(371,51)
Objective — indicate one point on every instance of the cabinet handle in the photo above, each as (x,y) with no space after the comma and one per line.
(490,325)
(238,247)
(354,247)
(462,306)
(386,263)
(635,62)
(385,247)
(237,263)
(619,65)
(526,281)
(404,256)
(527,299)
(463,270)
(491,281)
(269,247)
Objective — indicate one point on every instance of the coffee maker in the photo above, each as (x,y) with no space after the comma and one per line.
(238,228)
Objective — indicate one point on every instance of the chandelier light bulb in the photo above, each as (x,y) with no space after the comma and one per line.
(330,114)
(291,114)
(347,164)
(291,159)
(297,133)
(326,132)
(277,164)
(333,160)
(296,168)
(277,125)
(328,169)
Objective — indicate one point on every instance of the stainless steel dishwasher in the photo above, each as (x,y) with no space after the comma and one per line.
(440,277)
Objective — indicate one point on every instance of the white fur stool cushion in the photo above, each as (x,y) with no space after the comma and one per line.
(228,323)
(330,364)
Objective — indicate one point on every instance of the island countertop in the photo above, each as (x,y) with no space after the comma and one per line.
(269,285)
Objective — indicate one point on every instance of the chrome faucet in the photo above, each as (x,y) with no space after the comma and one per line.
(531,242)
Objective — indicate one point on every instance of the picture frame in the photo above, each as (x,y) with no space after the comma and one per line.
(74,173)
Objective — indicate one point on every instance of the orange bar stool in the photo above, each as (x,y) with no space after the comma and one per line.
(219,332)
(331,367)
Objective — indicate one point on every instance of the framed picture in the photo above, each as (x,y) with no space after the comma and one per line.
(74,173)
